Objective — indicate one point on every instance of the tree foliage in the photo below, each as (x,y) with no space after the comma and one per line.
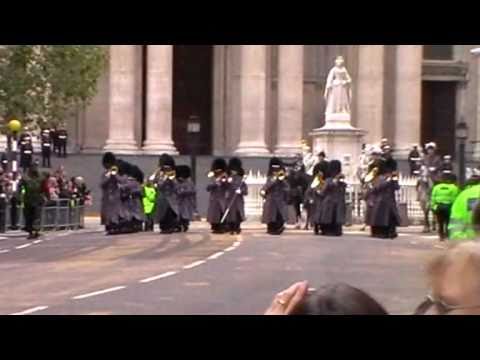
(47,83)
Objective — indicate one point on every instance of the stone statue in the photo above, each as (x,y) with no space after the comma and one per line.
(338,91)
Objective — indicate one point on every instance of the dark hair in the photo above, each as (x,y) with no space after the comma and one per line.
(339,299)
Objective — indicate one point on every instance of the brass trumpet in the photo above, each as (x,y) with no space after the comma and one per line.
(113,171)
(280,175)
(371,176)
(219,176)
(318,182)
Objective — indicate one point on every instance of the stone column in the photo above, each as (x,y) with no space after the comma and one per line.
(370,91)
(253,101)
(159,100)
(476,68)
(290,99)
(408,98)
(121,138)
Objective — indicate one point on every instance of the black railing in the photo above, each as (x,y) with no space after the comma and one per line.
(61,214)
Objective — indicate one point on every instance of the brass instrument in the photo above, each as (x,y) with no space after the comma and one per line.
(318,182)
(113,171)
(219,176)
(163,175)
(371,176)
(393,176)
(279,175)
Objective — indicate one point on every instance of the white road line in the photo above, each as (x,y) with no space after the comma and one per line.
(237,243)
(231,248)
(23,246)
(101,292)
(216,256)
(31,311)
(37,241)
(158,277)
(195,264)
(4,251)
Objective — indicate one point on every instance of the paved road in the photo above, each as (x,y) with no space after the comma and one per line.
(197,273)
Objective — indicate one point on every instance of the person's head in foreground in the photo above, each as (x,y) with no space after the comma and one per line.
(454,280)
(333,299)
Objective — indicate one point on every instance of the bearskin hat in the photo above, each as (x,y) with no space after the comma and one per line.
(166,161)
(124,168)
(383,167)
(183,172)
(108,160)
(136,173)
(219,165)
(321,167)
(275,165)
(334,168)
(235,164)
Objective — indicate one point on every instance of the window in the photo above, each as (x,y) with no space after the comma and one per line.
(438,52)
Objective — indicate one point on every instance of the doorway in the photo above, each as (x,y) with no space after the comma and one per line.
(192,98)
(438,115)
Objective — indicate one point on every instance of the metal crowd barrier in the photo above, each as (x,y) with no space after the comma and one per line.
(55,215)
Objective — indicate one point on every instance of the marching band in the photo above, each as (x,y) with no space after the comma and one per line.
(168,197)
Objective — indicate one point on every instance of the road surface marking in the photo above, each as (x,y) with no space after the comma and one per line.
(23,246)
(195,264)
(37,241)
(216,256)
(231,248)
(84,296)
(4,251)
(237,243)
(31,311)
(430,237)
(158,277)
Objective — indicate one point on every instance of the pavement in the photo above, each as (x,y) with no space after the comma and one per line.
(89,273)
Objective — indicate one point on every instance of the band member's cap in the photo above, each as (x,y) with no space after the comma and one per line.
(431,145)
(322,153)
(183,172)
(219,165)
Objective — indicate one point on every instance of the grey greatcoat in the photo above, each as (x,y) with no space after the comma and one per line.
(237,210)
(133,202)
(276,200)
(186,199)
(333,209)
(217,204)
(382,205)
(112,211)
(314,198)
(167,197)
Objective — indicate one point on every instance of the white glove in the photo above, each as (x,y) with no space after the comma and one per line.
(239,191)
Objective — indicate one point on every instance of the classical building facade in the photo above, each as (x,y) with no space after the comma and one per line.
(259,100)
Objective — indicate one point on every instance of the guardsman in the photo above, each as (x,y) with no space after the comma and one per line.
(46,141)
(383,217)
(112,211)
(275,193)
(165,180)
(218,188)
(332,214)
(237,191)
(186,196)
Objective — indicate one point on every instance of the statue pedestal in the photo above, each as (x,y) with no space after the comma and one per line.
(339,139)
